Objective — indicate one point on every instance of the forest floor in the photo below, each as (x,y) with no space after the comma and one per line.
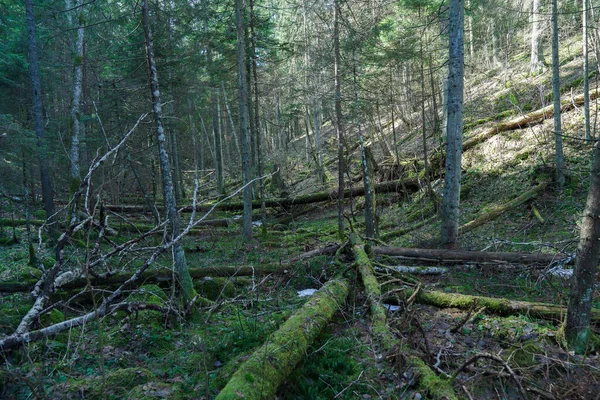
(147,354)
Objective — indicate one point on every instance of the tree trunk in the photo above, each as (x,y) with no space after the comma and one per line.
(339,125)
(185,281)
(537,54)
(577,328)
(34,70)
(259,160)
(499,306)
(214,108)
(461,256)
(586,80)
(243,105)
(77,90)
(260,375)
(451,201)
(370,225)
(558,147)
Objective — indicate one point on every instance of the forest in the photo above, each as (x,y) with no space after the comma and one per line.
(299,199)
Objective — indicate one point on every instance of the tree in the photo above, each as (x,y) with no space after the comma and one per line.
(537,51)
(339,124)
(577,328)
(34,69)
(451,201)
(560,176)
(586,81)
(244,118)
(185,281)
(78,59)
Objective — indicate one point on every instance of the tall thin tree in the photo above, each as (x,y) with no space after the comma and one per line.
(339,123)
(185,280)
(586,80)
(451,201)
(558,147)
(77,92)
(34,70)
(244,118)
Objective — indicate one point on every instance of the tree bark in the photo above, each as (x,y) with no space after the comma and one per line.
(370,231)
(586,80)
(260,375)
(558,147)
(451,200)
(34,70)
(185,281)
(77,91)
(339,124)
(537,53)
(214,108)
(577,328)
(461,256)
(243,105)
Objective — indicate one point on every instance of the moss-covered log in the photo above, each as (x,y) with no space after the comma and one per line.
(435,386)
(499,210)
(408,186)
(260,375)
(151,276)
(460,256)
(493,305)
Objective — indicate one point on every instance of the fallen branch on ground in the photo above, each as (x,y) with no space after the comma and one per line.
(499,210)
(260,375)
(464,256)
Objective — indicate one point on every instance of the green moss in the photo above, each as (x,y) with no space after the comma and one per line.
(53,317)
(271,363)
(435,386)
(524,355)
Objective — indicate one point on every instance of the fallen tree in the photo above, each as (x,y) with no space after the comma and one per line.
(458,256)
(437,387)
(260,375)
(499,210)
(499,306)
(148,276)
(409,186)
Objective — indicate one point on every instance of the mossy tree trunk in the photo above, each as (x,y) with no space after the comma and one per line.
(435,386)
(260,375)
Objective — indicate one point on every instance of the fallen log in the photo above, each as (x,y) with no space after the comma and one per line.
(459,256)
(499,306)
(409,186)
(532,118)
(151,276)
(499,210)
(435,386)
(520,122)
(404,231)
(327,250)
(260,375)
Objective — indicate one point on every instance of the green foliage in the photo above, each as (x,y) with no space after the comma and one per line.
(329,367)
